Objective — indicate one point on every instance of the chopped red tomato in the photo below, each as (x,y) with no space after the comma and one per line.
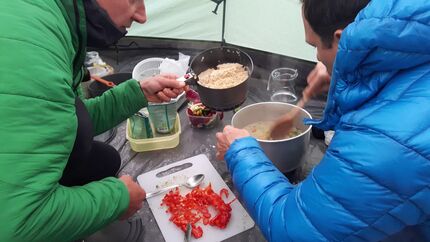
(193,208)
(223,191)
(197,232)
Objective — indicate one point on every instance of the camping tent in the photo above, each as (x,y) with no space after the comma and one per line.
(274,26)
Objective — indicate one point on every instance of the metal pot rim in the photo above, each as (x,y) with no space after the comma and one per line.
(225,47)
(286,104)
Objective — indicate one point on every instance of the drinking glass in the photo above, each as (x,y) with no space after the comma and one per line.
(281,85)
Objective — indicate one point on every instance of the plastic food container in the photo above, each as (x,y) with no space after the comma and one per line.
(158,142)
(151,67)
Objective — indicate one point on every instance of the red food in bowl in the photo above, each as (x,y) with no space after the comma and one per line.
(202,117)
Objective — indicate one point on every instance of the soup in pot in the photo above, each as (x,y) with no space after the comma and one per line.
(261,130)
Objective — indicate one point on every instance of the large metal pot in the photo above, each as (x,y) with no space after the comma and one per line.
(222,99)
(286,154)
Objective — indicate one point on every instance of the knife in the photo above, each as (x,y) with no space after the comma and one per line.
(188,233)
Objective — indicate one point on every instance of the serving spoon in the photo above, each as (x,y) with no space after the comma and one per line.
(191,183)
(103,81)
(285,123)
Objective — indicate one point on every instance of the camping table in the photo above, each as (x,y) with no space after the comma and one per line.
(143,226)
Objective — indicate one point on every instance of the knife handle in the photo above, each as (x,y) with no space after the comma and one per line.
(187,237)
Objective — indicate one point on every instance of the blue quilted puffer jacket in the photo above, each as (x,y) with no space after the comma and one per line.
(374,181)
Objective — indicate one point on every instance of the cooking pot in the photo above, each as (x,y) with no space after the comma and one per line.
(96,89)
(286,154)
(228,98)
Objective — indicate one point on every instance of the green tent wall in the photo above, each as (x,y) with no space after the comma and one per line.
(269,25)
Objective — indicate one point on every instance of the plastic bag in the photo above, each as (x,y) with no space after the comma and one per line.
(178,67)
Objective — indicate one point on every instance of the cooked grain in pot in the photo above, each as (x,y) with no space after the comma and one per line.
(224,76)
(261,130)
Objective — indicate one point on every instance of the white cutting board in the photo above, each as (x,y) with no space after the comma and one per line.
(239,221)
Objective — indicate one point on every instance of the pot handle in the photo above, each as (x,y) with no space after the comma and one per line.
(189,79)
(103,81)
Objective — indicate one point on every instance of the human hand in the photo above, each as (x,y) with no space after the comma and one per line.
(137,195)
(162,88)
(318,81)
(226,138)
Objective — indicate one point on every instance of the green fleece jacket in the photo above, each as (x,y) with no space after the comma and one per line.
(42,49)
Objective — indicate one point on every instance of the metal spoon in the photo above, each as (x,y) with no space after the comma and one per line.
(191,183)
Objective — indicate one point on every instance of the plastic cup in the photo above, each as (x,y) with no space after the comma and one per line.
(281,85)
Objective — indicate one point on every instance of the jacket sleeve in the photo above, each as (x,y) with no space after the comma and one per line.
(71,213)
(38,130)
(358,192)
(37,136)
(115,105)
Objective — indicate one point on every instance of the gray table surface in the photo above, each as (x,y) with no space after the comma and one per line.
(143,227)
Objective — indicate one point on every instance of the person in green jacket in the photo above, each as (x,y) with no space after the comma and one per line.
(56,183)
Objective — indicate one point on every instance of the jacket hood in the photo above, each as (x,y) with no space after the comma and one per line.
(387,38)
(101,30)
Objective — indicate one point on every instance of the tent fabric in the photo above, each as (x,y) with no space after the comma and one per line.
(374,180)
(180,19)
(274,26)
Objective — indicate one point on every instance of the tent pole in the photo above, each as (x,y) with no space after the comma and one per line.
(223,23)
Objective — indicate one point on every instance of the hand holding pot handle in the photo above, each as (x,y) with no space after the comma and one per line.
(189,79)
(162,88)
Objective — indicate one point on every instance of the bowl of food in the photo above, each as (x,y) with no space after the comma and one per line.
(287,153)
(202,117)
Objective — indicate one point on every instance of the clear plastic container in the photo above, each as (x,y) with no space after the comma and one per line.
(158,142)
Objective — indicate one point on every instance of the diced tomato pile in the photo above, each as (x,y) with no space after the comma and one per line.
(193,208)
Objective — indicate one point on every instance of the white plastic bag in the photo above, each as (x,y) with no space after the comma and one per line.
(178,67)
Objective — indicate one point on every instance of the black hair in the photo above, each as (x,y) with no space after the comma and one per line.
(327,16)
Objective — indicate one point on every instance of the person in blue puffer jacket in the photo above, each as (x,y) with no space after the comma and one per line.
(373,183)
